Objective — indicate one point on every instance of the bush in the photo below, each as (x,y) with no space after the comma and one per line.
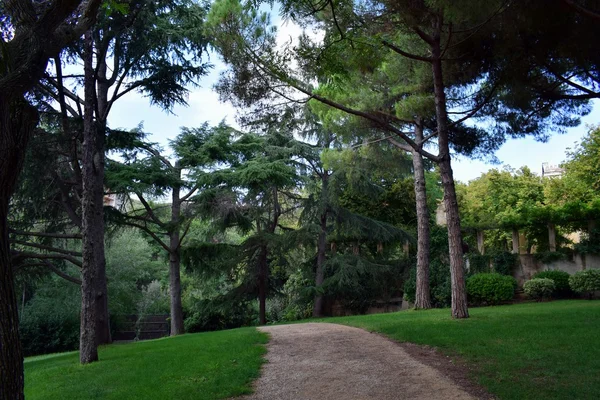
(49,330)
(585,282)
(561,282)
(539,288)
(218,314)
(479,263)
(490,289)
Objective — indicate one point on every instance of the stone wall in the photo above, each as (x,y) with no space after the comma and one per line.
(529,265)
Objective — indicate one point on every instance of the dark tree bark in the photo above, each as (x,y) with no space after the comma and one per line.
(457,273)
(17,122)
(263,279)
(23,61)
(92,205)
(263,260)
(175,261)
(103,317)
(321,256)
(423,296)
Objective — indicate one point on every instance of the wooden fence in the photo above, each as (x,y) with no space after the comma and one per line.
(131,327)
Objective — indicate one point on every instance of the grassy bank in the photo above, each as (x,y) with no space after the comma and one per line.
(211,365)
(526,351)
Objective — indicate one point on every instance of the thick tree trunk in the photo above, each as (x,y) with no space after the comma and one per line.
(457,273)
(422,297)
(263,278)
(17,122)
(92,216)
(174,265)
(103,324)
(175,290)
(320,275)
(321,248)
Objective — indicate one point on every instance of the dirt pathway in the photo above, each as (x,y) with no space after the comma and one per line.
(321,361)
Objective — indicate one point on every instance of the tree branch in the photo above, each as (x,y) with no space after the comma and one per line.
(149,210)
(398,50)
(47,248)
(46,234)
(149,232)
(582,10)
(53,268)
(18,255)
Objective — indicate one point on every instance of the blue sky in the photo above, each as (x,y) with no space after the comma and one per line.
(204,106)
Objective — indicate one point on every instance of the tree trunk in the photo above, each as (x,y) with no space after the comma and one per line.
(17,122)
(457,273)
(321,246)
(175,289)
(263,277)
(422,297)
(92,216)
(320,274)
(175,262)
(552,237)
(103,325)
(480,243)
(515,241)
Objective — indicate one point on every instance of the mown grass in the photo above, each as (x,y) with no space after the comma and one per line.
(526,351)
(211,365)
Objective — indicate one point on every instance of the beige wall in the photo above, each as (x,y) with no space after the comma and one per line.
(528,265)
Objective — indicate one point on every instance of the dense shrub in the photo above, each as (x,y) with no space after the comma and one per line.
(213,315)
(49,329)
(479,263)
(539,288)
(585,282)
(489,289)
(561,282)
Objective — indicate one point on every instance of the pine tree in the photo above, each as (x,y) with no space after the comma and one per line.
(146,172)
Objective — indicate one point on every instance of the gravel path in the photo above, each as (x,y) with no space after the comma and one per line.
(322,361)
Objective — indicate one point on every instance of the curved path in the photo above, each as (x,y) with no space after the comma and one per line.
(323,361)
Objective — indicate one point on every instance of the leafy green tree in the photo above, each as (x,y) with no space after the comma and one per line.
(31,33)
(263,188)
(253,51)
(434,35)
(154,48)
(146,171)
(354,191)
(503,199)
(583,163)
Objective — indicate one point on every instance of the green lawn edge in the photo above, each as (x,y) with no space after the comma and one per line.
(545,350)
(210,365)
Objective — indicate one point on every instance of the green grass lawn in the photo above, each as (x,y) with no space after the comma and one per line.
(526,351)
(211,365)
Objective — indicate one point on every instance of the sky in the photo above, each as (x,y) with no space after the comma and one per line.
(204,106)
